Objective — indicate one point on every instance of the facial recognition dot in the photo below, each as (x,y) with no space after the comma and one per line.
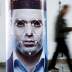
(29,53)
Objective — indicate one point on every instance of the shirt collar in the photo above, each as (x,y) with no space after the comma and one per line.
(16,58)
(42,55)
(41,60)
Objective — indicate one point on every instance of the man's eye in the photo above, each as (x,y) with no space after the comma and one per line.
(36,24)
(20,23)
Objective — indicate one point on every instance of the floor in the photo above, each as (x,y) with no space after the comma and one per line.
(61,67)
(2,69)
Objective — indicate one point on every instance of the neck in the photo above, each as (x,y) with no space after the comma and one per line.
(27,59)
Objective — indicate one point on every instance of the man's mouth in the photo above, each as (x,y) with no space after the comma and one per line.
(29,43)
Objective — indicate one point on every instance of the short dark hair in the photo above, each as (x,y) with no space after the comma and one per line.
(25,4)
(65,6)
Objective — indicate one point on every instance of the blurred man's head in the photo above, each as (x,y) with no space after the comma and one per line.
(64,10)
(27,20)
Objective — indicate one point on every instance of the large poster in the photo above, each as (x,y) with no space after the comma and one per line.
(27,36)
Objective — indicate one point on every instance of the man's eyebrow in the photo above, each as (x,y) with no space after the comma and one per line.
(36,20)
(18,20)
(25,21)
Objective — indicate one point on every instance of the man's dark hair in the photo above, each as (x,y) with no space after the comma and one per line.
(25,4)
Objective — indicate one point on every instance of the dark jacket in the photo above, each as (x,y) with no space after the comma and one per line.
(10,64)
(61,29)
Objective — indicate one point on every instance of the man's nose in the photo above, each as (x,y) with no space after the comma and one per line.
(29,32)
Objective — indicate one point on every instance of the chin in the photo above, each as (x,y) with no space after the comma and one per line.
(29,51)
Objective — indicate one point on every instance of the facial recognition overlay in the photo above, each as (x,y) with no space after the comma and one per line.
(27,36)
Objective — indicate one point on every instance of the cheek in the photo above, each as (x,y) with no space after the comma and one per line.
(19,34)
(38,33)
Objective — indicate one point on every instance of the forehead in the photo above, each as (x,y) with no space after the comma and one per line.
(27,14)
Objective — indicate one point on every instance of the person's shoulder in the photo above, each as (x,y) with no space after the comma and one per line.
(10,64)
(10,58)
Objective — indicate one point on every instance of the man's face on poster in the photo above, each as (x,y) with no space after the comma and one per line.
(28,30)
